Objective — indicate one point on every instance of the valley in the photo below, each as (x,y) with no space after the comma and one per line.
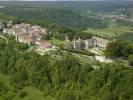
(66,50)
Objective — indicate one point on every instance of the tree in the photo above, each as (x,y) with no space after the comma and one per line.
(59,36)
(47,36)
(22,94)
(130,59)
(3,89)
(119,49)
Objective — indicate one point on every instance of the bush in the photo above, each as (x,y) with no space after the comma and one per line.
(59,36)
(130,59)
(47,36)
(80,52)
(22,94)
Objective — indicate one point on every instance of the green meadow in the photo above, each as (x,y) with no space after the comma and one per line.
(111,31)
(57,42)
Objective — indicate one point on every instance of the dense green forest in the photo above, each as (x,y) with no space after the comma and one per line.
(120,49)
(65,78)
(70,14)
(61,17)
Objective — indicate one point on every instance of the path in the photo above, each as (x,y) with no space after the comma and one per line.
(4,38)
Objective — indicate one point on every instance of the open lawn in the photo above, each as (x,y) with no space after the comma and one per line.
(57,42)
(126,36)
(111,31)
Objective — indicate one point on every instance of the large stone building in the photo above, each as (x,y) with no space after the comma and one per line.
(90,43)
(96,42)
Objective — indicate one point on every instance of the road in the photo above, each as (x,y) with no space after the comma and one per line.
(86,58)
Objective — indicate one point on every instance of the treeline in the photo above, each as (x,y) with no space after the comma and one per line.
(65,78)
(120,49)
(79,6)
(125,23)
(62,17)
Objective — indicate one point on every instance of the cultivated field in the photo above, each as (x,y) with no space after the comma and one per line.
(113,30)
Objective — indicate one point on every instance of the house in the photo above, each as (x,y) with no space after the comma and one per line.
(8,31)
(5,30)
(2,25)
(9,24)
(44,30)
(42,44)
(24,38)
(76,44)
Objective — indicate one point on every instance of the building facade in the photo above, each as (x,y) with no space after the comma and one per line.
(90,43)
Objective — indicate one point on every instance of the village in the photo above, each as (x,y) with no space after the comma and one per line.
(32,36)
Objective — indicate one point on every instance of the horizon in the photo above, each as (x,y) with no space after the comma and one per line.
(68,0)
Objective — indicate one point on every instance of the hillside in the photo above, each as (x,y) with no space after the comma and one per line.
(66,50)
(65,78)
(60,16)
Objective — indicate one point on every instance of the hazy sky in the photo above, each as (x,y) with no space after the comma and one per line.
(66,0)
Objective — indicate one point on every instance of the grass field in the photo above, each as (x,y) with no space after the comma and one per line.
(113,30)
(32,93)
(126,36)
(57,42)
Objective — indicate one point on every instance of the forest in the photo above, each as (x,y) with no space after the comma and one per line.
(65,78)
(61,17)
